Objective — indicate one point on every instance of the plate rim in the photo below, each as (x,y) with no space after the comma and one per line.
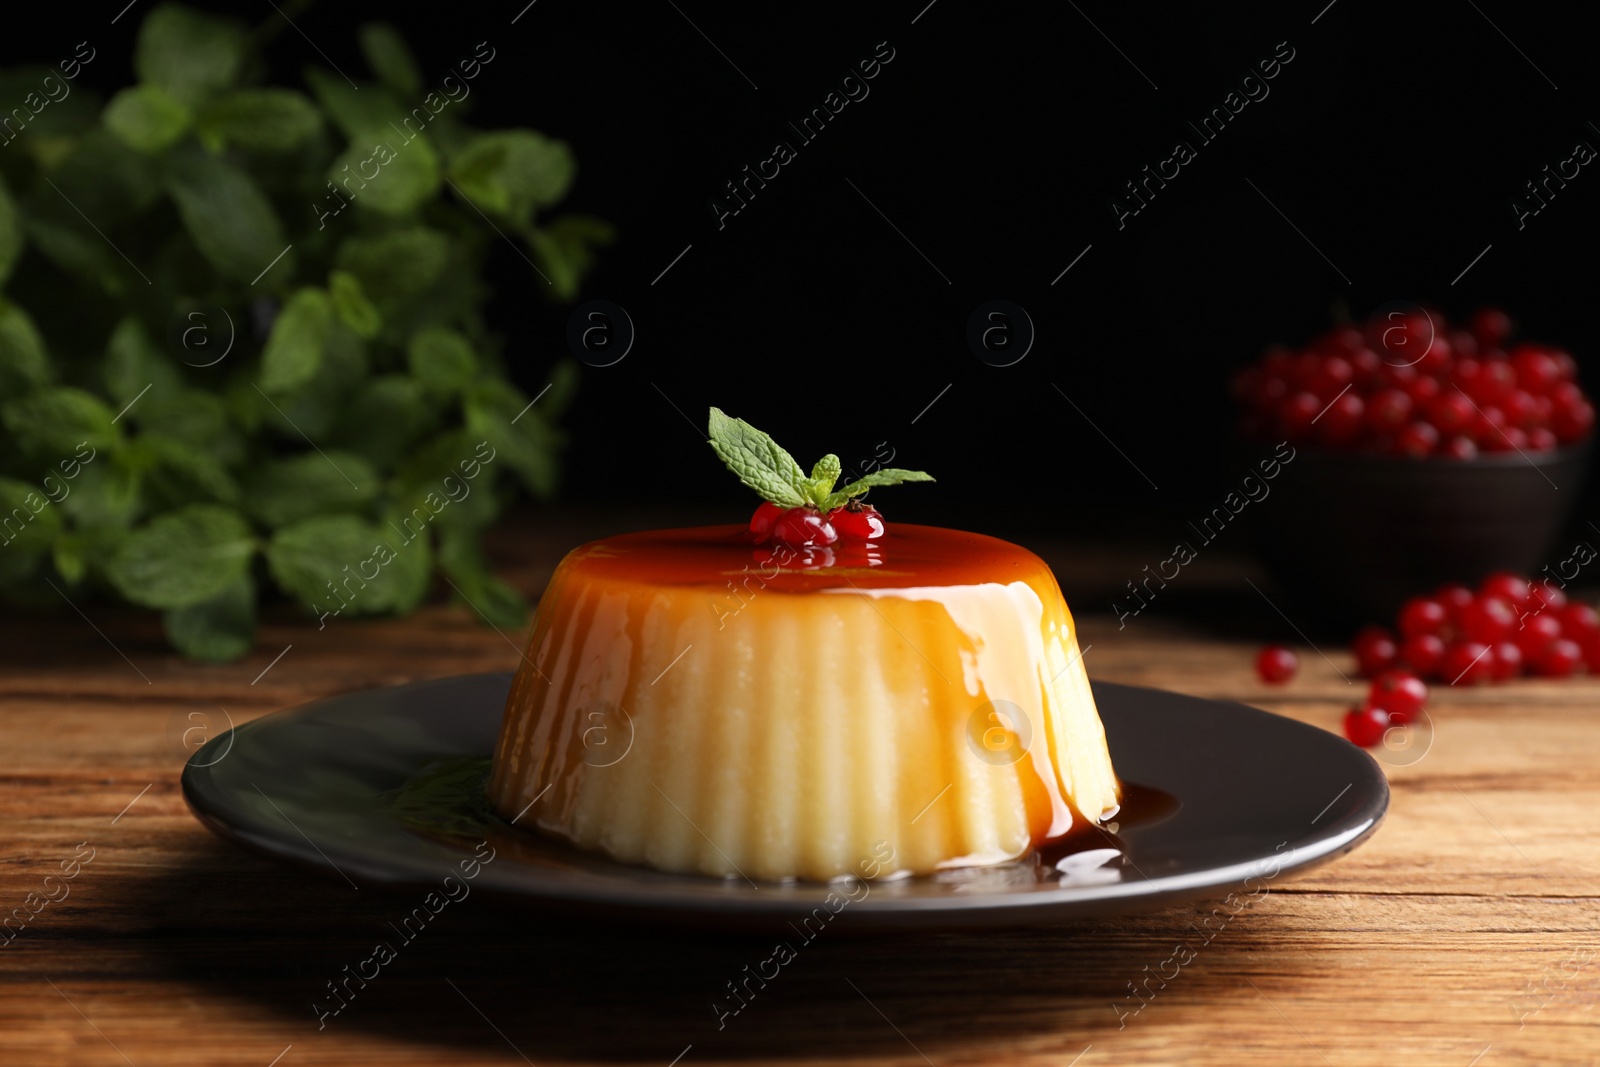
(690,900)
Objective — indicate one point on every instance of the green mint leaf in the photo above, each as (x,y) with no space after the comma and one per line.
(442,360)
(823,475)
(398,264)
(383,417)
(10,233)
(179,473)
(383,172)
(511,173)
(884,476)
(349,566)
(53,423)
(219,630)
(528,446)
(565,250)
(227,216)
(260,120)
(106,495)
(147,119)
(282,492)
(23,361)
(136,369)
(189,54)
(758,460)
(390,59)
(29,521)
(352,306)
(359,113)
(183,557)
(496,603)
(293,353)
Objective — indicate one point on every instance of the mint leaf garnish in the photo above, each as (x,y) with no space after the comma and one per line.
(758,460)
(884,476)
(764,466)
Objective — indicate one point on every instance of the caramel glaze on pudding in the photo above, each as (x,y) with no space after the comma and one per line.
(698,703)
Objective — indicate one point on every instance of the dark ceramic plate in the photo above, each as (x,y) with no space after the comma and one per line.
(385,788)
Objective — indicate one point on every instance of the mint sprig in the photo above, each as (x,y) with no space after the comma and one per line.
(764,465)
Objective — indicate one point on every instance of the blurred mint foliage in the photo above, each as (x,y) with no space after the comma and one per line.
(365,337)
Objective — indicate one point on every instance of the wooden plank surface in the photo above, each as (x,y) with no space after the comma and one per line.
(1466,932)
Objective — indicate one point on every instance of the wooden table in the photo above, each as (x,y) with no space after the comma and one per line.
(1466,932)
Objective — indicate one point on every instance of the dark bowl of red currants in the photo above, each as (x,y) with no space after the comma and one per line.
(1423,453)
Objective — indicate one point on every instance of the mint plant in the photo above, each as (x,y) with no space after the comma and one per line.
(241,334)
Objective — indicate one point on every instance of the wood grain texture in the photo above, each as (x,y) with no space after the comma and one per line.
(1467,931)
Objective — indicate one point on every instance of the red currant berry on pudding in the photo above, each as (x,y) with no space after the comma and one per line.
(1466,663)
(761,522)
(1560,658)
(1375,650)
(1276,664)
(1366,726)
(1400,693)
(803,528)
(860,522)
(1421,615)
(1424,653)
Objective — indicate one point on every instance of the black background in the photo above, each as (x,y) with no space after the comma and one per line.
(994,141)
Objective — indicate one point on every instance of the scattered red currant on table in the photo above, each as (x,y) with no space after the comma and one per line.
(1276,664)
(1412,385)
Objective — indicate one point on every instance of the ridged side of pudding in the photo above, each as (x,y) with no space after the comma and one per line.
(693,705)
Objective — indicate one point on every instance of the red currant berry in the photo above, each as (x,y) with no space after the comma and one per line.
(1451,413)
(1488,619)
(1544,594)
(1424,653)
(1340,423)
(1366,726)
(1535,367)
(1421,615)
(1504,584)
(1463,343)
(1375,650)
(1459,448)
(1421,390)
(1541,439)
(1490,326)
(1276,664)
(1520,409)
(761,522)
(1506,661)
(1330,377)
(804,527)
(1455,597)
(1573,423)
(863,523)
(1416,439)
(1559,659)
(1437,358)
(1388,410)
(1566,366)
(1579,621)
(1366,365)
(1495,382)
(1466,663)
(1400,693)
(1536,632)
(1296,414)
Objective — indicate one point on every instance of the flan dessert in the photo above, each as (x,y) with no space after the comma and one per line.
(799,698)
